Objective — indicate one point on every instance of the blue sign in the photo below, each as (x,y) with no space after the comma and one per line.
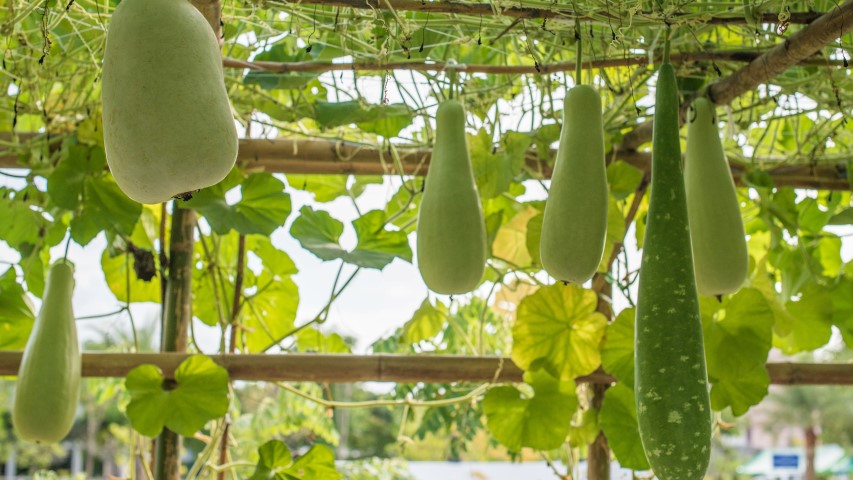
(786,461)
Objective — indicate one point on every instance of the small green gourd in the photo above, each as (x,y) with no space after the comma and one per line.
(451,234)
(716,228)
(574,225)
(671,385)
(48,385)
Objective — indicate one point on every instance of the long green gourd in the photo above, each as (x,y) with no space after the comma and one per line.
(574,225)
(168,127)
(716,228)
(671,385)
(451,233)
(48,384)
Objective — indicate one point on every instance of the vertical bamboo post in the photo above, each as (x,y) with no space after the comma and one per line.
(598,452)
(178,313)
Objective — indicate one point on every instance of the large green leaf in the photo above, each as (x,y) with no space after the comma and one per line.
(617,354)
(21,224)
(16,313)
(285,50)
(313,340)
(812,321)
(276,463)
(738,337)
(324,188)
(618,420)
(558,329)
(384,120)
(270,314)
(842,306)
(263,206)
(65,183)
(105,208)
(426,323)
(511,240)
(540,422)
(319,233)
(200,395)
(377,246)
(623,179)
(495,166)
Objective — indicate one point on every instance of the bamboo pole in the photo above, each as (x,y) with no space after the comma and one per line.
(340,368)
(176,319)
(332,157)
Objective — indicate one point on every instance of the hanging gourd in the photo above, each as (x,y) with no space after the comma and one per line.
(451,243)
(716,227)
(574,224)
(168,127)
(48,385)
(671,385)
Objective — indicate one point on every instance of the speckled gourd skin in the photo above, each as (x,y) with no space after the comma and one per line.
(716,228)
(574,225)
(451,242)
(168,127)
(671,386)
(48,384)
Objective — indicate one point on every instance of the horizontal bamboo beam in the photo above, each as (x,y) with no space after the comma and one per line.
(329,157)
(337,368)
(520,11)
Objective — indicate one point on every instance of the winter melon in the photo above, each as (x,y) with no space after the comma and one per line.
(168,128)
(716,227)
(574,225)
(48,385)
(451,234)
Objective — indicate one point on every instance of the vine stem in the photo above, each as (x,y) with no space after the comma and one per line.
(387,403)
(232,345)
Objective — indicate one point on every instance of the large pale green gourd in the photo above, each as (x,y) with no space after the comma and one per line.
(168,127)
(451,232)
(48,384)
(716,227)
(671,385)
(574,225)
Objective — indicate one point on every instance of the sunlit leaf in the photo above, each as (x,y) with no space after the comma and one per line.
(16,313)
(618,419)
(425,323)
(558,329)
(540,422)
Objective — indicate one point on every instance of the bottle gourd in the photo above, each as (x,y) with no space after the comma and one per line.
(168,127)
(48,385)
(574,225)
(720,256)
(451,243)
(671,386)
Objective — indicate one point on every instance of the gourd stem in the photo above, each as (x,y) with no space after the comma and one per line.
(579,60)
(666,45)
